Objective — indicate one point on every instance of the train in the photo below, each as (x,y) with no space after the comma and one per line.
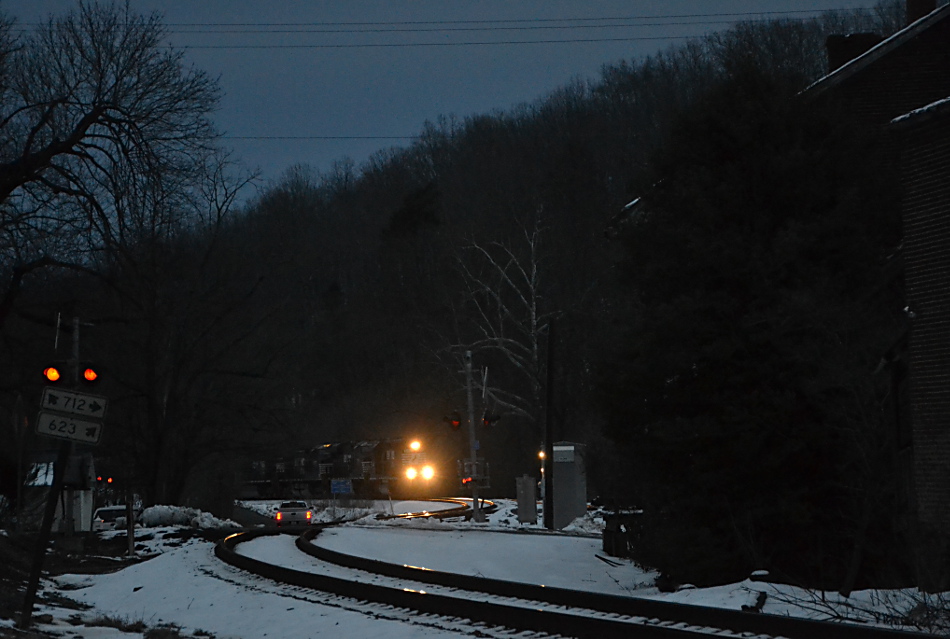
(375,469)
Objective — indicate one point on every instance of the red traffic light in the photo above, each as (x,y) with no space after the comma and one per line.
(52,374)
(89,374)
(454,420)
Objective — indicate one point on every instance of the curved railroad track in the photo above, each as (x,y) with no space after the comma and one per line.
(461,509)
(527,607)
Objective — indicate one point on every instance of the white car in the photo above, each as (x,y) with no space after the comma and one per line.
(108,518)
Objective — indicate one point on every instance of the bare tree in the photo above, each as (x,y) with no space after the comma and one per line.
(509,318)
(94,109)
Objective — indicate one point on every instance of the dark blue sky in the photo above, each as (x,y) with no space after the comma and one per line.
(374,68)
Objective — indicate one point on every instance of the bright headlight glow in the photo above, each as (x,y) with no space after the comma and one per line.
(411,473)
(428,472)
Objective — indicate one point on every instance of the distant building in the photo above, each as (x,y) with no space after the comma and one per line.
(75,507)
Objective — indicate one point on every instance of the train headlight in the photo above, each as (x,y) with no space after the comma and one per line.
(411,473)
(428,472)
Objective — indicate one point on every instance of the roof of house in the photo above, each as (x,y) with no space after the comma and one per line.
(940,108)
(878,51)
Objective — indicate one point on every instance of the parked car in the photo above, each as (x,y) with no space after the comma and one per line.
(109,518)
(293,513)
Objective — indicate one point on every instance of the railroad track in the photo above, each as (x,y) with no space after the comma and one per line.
(461,509)
(526,607)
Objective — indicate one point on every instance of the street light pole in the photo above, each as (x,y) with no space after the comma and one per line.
(477,513)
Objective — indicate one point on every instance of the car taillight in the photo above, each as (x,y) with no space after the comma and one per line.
(280,516)
(309,514)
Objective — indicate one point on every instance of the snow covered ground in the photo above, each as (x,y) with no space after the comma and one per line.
(185,589)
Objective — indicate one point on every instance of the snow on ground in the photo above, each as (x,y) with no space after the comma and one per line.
(183,585)
(562,561)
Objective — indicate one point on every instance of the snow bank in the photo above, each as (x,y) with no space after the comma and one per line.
(155,516)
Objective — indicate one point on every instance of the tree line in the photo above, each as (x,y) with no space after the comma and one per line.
(720,335)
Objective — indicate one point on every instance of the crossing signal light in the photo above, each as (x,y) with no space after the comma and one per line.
(466,481)
(454,420)
(88,373)
(488,419)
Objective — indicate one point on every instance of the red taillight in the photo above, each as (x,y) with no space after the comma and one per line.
(280,516)
(309,514)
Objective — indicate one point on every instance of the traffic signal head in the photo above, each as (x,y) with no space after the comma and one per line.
(454,420)
(89,373)
(488,418)
(52,374)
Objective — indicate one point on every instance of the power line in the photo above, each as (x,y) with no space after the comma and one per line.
(425,44)
(319,137)
(268,31)
(504,21)
(445,25)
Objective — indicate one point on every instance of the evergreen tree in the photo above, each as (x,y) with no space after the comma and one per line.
(758,312)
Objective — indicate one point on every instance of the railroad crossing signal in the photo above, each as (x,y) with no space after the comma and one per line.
(54,374)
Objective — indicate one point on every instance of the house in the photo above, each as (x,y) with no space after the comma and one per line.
(901,84)
(924,134)
(896,75)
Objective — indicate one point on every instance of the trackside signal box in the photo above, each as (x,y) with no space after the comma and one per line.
(570,483)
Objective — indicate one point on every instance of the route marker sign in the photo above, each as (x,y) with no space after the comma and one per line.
(68,427)
(72,403)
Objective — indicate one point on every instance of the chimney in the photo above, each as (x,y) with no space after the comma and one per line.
(917,9)
(845,48)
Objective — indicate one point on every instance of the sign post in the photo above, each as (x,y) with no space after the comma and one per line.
(71,417)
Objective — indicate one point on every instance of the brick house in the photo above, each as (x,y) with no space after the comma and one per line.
(925,176)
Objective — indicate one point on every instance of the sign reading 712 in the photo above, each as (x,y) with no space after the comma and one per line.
(63,401)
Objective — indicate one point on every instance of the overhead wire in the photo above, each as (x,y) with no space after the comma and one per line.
(449,26)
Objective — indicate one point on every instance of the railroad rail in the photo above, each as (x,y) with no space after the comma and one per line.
(462,509)
(527,607)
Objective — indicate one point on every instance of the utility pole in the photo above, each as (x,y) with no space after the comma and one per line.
(59,476)
(477,513)
(547,507)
